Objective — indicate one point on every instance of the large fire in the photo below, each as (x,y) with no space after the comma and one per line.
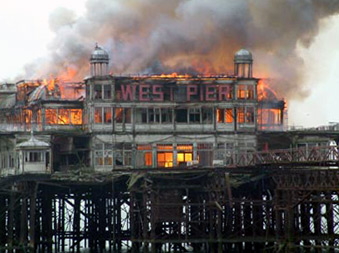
(271,109)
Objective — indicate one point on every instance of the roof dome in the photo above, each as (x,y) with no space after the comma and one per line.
(33,143)
(243,55)
(99,55)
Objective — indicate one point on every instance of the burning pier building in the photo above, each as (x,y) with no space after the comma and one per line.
(168,162)
(115,122)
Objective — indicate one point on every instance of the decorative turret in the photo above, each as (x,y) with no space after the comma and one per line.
(243,64)
(99,62)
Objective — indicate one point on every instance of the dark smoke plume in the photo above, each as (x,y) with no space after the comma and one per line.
(199,36)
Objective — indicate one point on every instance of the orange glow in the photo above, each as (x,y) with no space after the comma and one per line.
(51,116)
(269,117)
(229,115)
(76,116)
(27,116)
(173,75)
(265,92)
(165,159)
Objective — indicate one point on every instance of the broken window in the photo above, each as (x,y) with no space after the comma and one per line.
(107,91)
(97,115)
(194,115)
(97,91)
(181,115)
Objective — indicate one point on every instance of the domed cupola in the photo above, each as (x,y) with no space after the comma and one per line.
(243,64)
(99,62)
(34,156)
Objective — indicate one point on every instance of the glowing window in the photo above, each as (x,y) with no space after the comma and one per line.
(220,115)
(97,115)
(147,153)
(165,156)
(229,115)
(241,92)
(119,115)
(241,115)
(51,116)
(76,116)
(63,117)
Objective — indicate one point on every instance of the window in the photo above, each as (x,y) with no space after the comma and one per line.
(123,154)
(205,154)
(184,154)
(241,115)
(63,117)
(181,115)
(245,92)
(76,116)
(97,92)
(51,116)
(141,115)
(250,92)
(154,115)
(207,114)
(166,115)
(225,115)
(220,115)
(194,115)
(107,115)
(245,115)
(165,155)
(103,154)
(249,115)
(144,156)
(34,156)
(107,91)
(241,92)
(229,115)
(123,115)
(97,115)
(119,114)
(128,115)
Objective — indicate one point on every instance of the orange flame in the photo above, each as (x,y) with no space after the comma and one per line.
(265,92)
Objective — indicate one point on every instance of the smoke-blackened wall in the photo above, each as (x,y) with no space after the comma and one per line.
(194,36)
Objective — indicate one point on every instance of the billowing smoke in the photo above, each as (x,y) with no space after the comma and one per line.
(193,36)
